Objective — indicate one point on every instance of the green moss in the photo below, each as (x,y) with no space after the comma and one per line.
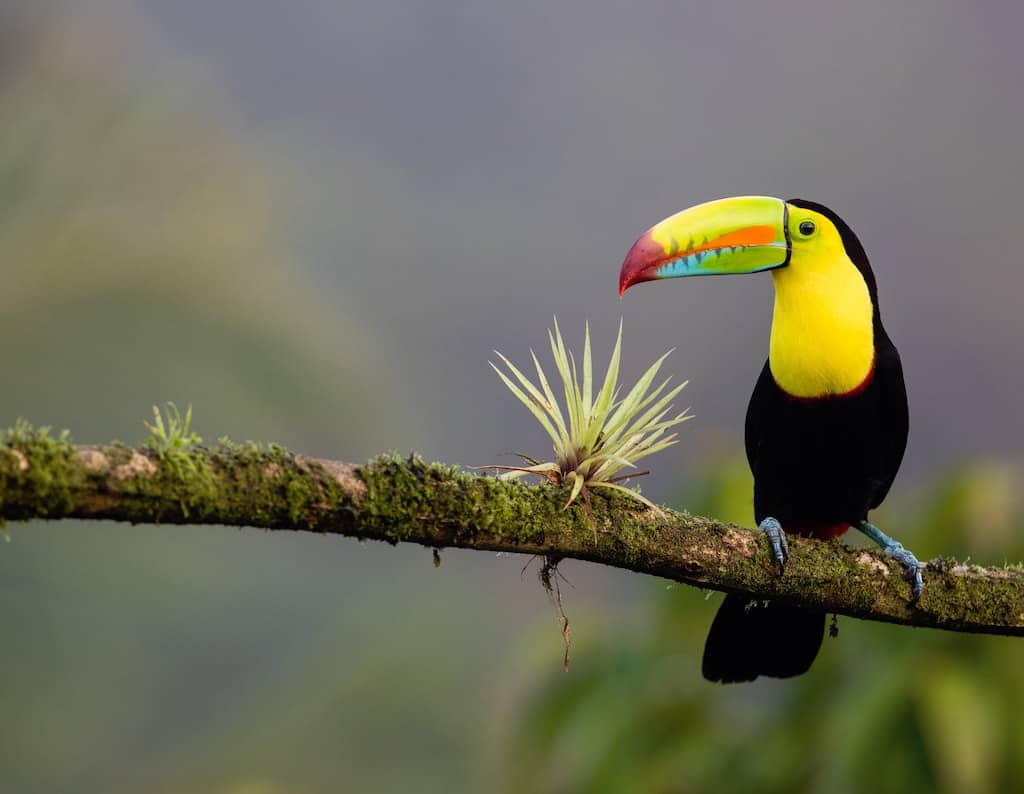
(117,453)
(633,542)
(52,476)
(943,564)
(408,497)
(403,495)
(271,487)
(244,484)
(191,476)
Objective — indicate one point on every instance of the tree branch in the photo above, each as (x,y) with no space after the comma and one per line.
(406,500)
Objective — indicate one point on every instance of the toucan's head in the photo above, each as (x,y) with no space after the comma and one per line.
(826,305)
(745,234)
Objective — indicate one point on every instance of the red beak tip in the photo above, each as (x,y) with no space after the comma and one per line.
(624,284)
(642,257)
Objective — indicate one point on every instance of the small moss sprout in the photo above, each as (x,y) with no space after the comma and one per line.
(173,434)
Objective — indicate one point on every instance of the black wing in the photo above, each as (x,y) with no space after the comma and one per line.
(764,393)
(893,417)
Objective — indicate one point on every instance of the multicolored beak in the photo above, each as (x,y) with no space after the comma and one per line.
(745,234)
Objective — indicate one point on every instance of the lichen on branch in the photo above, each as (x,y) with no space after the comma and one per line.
(407,500)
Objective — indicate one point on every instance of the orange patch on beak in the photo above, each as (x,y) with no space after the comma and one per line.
(750,236)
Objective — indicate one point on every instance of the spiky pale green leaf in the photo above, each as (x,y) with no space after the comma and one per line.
(647,419)
(611,379)
(562,364)
(588,375)
(534,409)
(653,413)
(578,481)
(539,398)
(576,403)
(596,431)
(555,411)
(512,472)
(634,398)
(629,492)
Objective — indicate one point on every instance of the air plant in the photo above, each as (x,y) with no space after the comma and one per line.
(596,439)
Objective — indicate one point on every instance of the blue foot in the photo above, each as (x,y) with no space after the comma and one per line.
(777,540)
(893,548)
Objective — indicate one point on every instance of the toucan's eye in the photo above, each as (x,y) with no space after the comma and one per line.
(807,228)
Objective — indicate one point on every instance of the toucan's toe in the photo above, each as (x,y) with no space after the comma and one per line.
(776,540)
(893,548)
(911,569)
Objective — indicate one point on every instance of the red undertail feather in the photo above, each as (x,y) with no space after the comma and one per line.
(822,531)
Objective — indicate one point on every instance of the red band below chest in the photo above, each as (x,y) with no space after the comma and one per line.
(820,531)
(858,389)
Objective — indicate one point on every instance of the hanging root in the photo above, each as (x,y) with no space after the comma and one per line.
(549,576)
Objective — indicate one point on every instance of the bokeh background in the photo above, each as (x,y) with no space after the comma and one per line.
(314,221)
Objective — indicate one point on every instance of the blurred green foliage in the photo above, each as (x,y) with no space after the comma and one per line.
(883,709)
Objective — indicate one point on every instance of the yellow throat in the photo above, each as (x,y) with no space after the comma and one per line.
(822,340)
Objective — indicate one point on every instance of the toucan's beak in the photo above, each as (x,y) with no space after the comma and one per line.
(745,234)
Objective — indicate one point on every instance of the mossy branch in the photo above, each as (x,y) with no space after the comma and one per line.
(405,500)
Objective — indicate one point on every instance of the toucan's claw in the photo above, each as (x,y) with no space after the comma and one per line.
(893,548)
(911,567)
(777,541)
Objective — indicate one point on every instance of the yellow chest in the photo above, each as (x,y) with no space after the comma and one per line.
(822,340)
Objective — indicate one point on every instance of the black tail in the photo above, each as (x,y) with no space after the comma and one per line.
(751,639)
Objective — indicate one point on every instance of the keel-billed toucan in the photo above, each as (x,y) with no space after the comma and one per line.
(827,424)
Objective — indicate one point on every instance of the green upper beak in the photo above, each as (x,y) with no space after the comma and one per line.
(745,234)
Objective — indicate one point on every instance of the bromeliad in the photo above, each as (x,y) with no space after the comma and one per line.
(598,439)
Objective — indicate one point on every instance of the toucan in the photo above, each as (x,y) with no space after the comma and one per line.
(827,423)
